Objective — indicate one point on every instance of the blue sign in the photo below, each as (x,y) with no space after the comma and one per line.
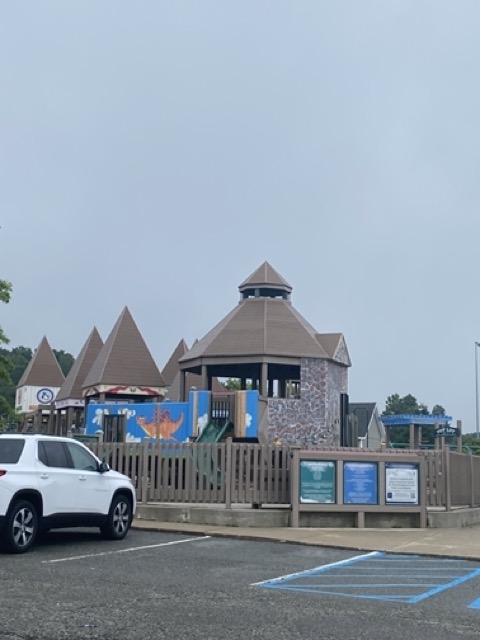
(360,484)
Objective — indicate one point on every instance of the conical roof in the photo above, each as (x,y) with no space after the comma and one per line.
(43,369)
(71,389)
(124,359)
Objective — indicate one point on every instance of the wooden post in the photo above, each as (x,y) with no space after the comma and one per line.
(459,437)
(264,380)
(448,479)
(144,487)
(294,483)
(228,475)
(411,444)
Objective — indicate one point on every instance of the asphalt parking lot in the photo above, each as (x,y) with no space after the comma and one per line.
(163,585)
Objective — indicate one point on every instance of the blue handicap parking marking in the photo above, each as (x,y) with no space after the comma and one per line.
(382,576)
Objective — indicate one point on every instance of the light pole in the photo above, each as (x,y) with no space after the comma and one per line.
(477,344)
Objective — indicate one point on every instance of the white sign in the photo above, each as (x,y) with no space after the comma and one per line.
(401,483)
(29,399)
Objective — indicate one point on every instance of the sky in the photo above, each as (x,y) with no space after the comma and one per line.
(154,153)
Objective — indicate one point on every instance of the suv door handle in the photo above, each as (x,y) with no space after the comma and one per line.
(44,476)
(83,478)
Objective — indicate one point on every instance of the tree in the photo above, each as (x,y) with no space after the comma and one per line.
(5,292)
(65,360)
(438,410)
(396,405)
(231,384)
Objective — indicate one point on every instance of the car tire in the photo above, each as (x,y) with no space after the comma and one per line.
(118,520)
(21,527)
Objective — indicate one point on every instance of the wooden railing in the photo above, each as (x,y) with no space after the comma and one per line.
(216,473)
(236,473)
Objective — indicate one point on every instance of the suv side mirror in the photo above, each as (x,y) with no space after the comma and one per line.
(103,467)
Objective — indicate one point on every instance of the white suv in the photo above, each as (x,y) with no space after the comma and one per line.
(49,482)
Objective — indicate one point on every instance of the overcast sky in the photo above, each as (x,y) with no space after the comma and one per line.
(155,153)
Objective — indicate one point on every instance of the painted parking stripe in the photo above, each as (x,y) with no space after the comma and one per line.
(111,553)
(381,576)
(475,604)
(323,567)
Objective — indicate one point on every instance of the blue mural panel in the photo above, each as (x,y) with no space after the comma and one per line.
(167,421)
(251,414)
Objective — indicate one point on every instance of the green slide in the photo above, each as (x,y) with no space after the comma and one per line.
(206,462)
(214,432)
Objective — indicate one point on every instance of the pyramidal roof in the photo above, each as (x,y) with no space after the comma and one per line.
(171,369)
(265,276)
(266,324)
(124,359)
(171,374)
(72,386)
(43,369)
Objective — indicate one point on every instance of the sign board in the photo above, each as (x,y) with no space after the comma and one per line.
(29,398)
(317,481)
(360,483)
(401,483)
(446,430)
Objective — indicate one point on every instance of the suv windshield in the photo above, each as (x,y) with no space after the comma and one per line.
(10,450)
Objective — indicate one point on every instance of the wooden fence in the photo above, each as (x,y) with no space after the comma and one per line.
(228,473)
(215,473)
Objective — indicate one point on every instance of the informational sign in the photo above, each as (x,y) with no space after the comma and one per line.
(401,483)
(360,483)
(446,430)
(317,481)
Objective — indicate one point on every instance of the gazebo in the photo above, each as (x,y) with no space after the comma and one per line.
(267,345)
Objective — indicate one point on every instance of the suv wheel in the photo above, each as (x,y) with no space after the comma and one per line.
(118,520)
(21,527)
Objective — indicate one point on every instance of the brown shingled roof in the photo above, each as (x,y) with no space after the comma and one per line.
(265,325)
(124,358)
(43,369)
(265,276)
(335,347)
(171,374)
(171,369)
(72,386)
(260,326)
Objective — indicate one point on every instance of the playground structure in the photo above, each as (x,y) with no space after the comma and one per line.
(205,417)
(293,380)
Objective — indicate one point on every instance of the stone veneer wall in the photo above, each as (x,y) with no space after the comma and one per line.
(315,416)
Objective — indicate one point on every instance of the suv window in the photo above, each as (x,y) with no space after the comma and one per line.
(11,450)
(81,458)
(52,454)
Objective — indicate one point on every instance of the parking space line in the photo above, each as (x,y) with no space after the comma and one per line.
(381,576)
(322,567)
(110,553)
